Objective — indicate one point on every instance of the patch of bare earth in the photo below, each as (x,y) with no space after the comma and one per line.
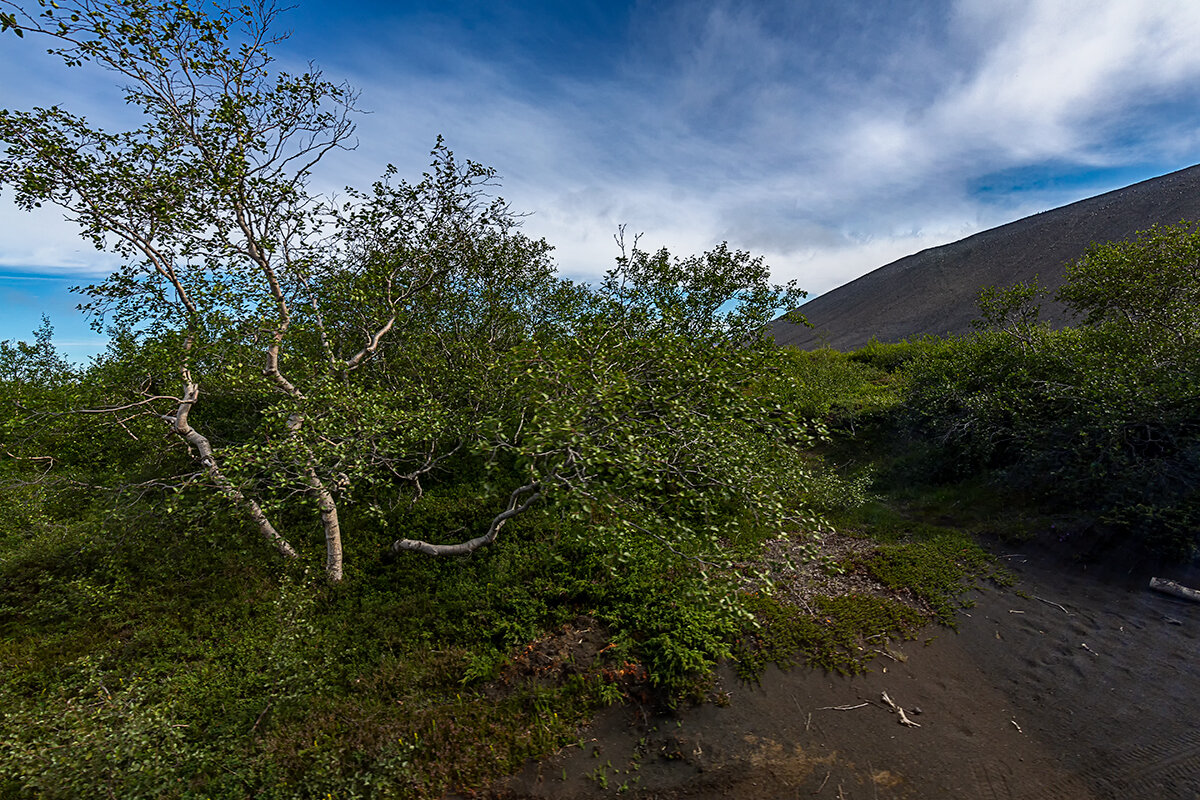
(798,579)
(1013,706)
(582,648)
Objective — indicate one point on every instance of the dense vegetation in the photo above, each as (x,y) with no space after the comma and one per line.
(366,501)
(399,388)
(1102,417)
(154,645)
(151,640)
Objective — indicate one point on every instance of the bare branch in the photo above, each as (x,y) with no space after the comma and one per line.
(533,490)
(204,454)
(127,406)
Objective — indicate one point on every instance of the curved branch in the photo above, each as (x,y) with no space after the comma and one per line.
(127,406)
(204,453)
(470,546)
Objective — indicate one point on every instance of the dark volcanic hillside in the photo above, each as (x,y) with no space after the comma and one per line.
(934,291)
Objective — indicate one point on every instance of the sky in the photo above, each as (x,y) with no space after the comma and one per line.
(830,137)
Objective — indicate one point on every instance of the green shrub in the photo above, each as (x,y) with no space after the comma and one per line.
(891,357)
(1104,418)
(832,387)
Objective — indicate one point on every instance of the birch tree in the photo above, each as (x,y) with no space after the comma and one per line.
(206,202)
(377,345)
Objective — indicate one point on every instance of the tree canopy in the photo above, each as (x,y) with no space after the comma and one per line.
(1103,416)
(310,356)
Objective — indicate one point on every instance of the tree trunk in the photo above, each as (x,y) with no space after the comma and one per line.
(1175,589)
(204,454)
(325,502)
(330,524)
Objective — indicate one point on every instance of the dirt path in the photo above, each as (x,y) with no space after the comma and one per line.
(1012,705)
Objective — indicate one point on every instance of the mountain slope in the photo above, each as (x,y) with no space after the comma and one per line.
(934,291)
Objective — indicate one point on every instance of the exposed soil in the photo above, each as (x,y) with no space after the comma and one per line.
(1011,705)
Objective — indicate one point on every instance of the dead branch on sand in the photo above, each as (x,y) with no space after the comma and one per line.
(1051,603)
(1174,589)
(904,720)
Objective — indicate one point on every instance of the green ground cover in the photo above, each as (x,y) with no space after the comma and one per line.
(145,656)
(365,500)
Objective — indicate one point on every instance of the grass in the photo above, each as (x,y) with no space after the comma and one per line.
(925,554)
(930,566)
(142,665)
(936,570)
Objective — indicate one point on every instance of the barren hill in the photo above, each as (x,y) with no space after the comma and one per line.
(934,291)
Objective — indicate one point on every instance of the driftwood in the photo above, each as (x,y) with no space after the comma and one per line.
(1174,589)
(1052,603)
(904,720)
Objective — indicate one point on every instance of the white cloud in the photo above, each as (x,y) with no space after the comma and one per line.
(1059,71)
(42,241)
(830,148)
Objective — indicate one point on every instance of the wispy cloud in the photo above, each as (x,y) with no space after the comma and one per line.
(830,137)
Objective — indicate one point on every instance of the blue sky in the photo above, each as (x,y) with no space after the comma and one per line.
(831,137)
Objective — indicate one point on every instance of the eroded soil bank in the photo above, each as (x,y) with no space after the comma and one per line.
(1075,683)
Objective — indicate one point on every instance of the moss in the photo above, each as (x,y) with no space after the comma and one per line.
(921,554)
(835,638)
(937,570)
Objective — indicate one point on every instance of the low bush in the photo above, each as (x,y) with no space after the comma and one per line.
(1104,417)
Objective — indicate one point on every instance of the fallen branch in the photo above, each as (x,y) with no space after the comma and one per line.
(1174,589)
(1051,603)
(260,718)
(904,720)
(894,655)
(842,708)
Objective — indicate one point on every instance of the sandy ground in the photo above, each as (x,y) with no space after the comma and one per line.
(1011,705)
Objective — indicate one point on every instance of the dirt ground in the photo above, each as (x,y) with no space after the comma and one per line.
(1076,683)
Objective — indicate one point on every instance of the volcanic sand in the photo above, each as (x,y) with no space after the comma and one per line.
(1075,683)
